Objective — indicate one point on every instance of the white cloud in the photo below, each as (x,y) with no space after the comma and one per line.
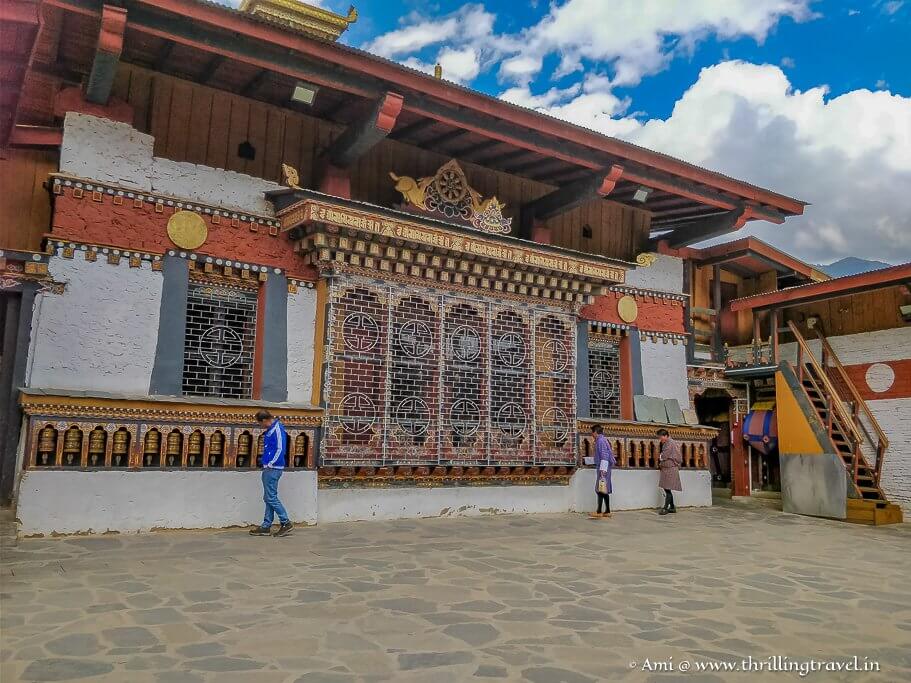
(459,65)
(639,37)
(788,62)
(849,156)
(470,23)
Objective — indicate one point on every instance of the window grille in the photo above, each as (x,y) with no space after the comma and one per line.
(220,340)
(604,380)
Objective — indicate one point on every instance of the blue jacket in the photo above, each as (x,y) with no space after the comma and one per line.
(274,446)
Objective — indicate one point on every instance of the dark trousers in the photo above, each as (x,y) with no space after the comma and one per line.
(669,499)
(605,498)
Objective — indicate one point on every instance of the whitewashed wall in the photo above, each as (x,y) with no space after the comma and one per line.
(665,274)
(301,329)
(97,502)
(638,489)
(101,333)
(893,415)
(108,151)
(664,370)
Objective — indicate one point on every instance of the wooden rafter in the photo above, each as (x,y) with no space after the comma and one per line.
(107,54)
(365,132)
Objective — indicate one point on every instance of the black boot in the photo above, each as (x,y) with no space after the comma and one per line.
(284,529)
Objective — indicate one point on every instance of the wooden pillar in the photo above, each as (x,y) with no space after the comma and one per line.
(717,342)
(740,460)
(774,316)
(757,340)
(688,272)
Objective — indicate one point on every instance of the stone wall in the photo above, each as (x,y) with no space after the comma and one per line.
(301,329)
(100,334)
(108,151)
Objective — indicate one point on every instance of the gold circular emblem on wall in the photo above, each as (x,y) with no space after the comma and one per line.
(187,230)
(627,309)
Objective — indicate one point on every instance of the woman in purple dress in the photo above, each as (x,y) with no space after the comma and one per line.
(604,462)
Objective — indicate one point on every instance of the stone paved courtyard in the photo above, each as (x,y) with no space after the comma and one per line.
(543,599)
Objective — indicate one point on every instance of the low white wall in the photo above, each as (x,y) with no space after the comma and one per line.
(894,416)
(74,502)
(637,489)
(351,505)
(96,502)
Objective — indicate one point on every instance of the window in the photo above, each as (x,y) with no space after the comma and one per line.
(220,340)
(604,380)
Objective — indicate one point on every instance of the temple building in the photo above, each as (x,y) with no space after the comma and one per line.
(208,210)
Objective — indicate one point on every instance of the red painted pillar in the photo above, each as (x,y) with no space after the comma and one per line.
(334,181)
(740,460)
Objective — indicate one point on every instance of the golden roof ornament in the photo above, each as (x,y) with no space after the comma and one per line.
(646,259)
(448,194)
(301,17)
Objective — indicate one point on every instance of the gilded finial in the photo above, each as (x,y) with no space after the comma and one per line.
(644,260)
(438,71)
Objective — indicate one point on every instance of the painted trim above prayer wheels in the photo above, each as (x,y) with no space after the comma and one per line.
(636,444)
(430,476)
(98,432)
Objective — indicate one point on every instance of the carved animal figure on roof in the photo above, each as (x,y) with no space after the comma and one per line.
(412,190)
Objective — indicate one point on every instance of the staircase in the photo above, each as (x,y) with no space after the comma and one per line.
(852,429)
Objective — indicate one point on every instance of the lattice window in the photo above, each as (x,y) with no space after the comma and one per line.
(604,379)
(220,340)
(419,376)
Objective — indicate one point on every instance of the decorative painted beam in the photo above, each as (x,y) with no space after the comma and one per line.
(358,138)
(107,54)
(697,231)
(575,194)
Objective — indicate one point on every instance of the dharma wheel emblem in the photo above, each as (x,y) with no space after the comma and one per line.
(465,417)
(413,416)
(358,413)
(220,347)
(450,184)
(466,344)
(511,349)
(360,331)
(415,338)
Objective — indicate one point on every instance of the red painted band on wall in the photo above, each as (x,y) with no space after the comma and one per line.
(656,314)
(142,228)
(867,380)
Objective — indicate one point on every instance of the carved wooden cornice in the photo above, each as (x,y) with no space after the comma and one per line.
(158,410)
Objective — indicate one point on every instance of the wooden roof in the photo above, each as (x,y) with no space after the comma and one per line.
(56,41)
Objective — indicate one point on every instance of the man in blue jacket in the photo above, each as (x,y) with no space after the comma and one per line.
(273,466)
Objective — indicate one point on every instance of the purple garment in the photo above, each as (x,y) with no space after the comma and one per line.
(603,452)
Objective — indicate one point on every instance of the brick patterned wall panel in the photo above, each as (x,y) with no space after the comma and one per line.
(442,378)
(604,379)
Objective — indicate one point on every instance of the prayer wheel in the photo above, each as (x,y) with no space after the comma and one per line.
(194,449)
(175,444)
(121,448)
(72,446)
(152,447)
(760,430)
(47,445)
(300,449)
(216,448)
(244,445)
(97,442)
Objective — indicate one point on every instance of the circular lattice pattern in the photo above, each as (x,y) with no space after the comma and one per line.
(413,416)
(601,385)
(555,424)
(555,350)
(360,332)
(511,420)
(880,377)
(220,347)
(511,349)
(415,338)
(464,417)
(358,413)
(465,344)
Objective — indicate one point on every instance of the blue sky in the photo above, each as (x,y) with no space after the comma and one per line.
(808,98)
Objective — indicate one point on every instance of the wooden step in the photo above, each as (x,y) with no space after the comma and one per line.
(872,512)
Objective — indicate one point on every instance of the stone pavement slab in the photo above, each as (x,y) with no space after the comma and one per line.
(547,599)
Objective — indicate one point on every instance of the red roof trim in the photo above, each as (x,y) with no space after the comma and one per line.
(225,18)
(896,275)
(762,249)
